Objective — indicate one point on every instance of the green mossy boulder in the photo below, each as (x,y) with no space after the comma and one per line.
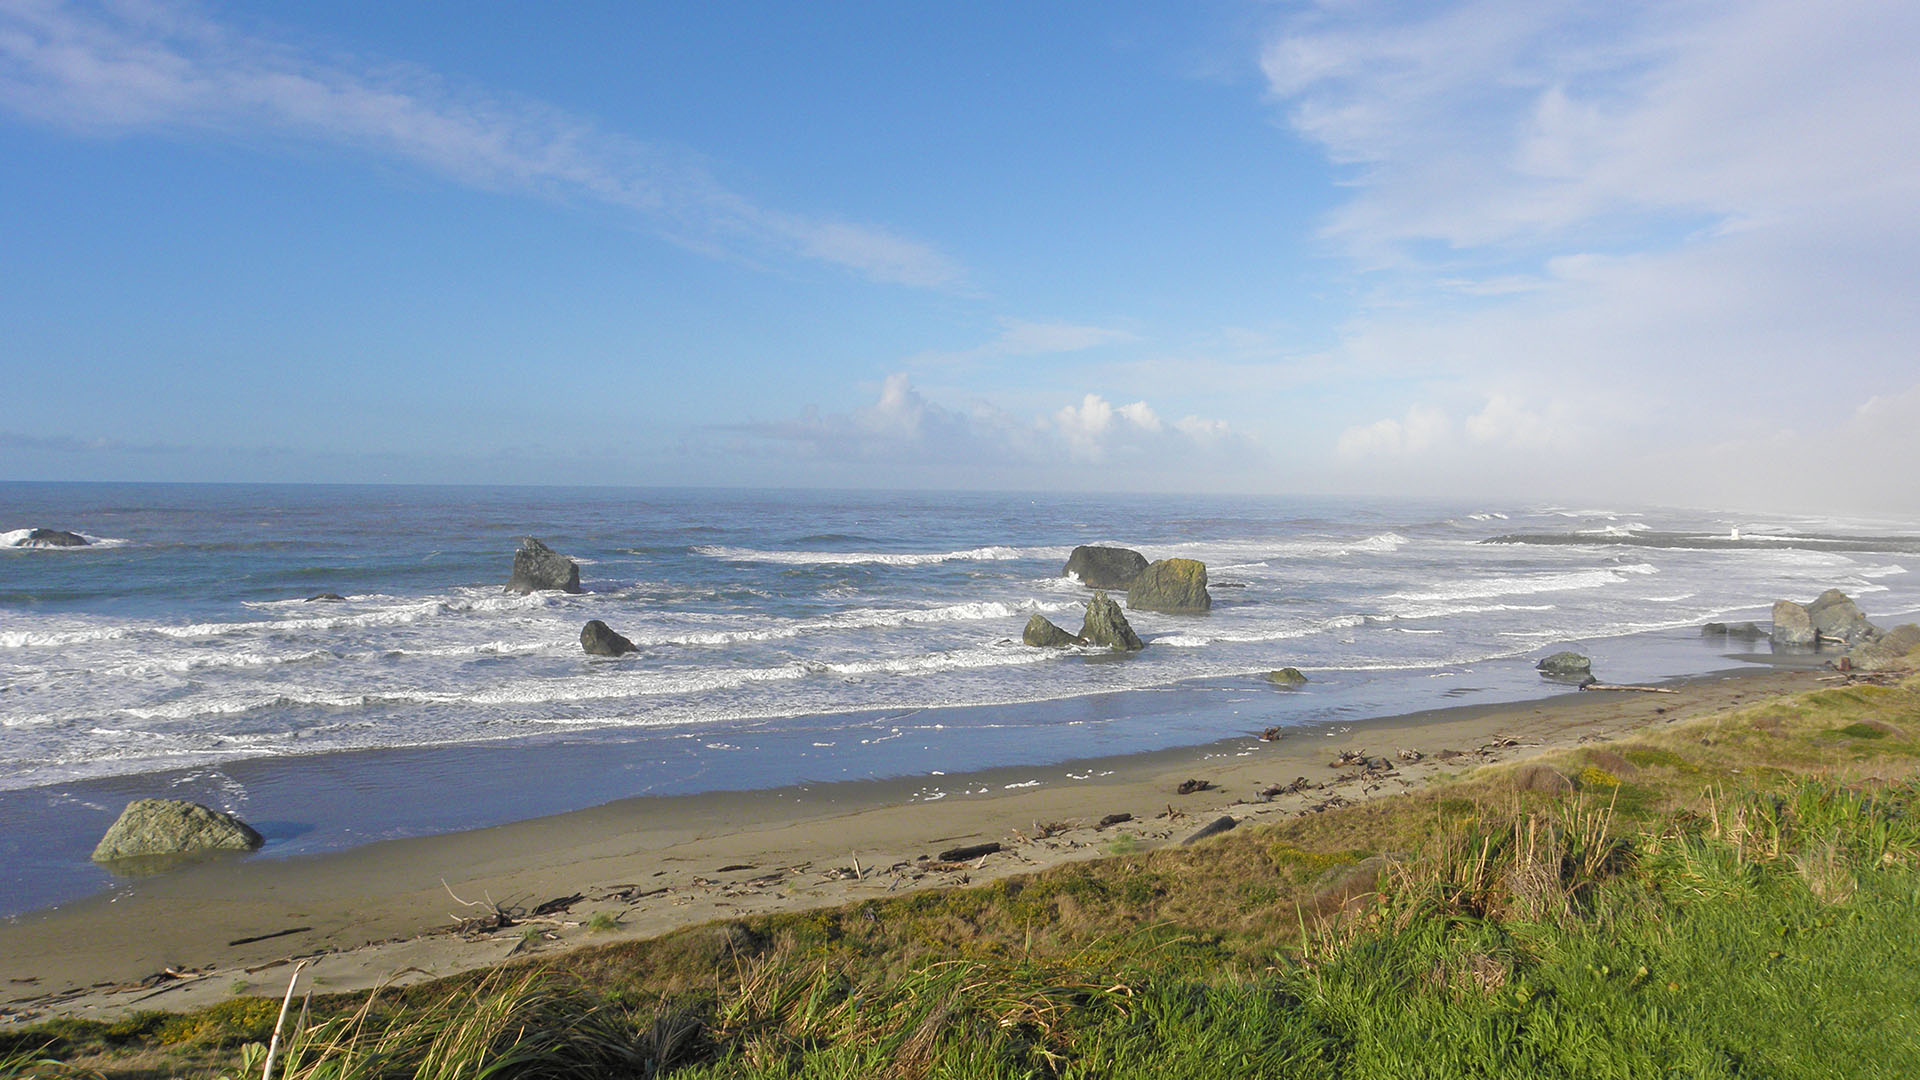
(1107,625)
(150,827)
(1287,677)
(1177,586)
(1566,665)
(1042,633)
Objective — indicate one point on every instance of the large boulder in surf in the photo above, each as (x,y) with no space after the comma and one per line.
(149,827)
(1042,633)
(537,566)
(1104,567)
(1566,665)
(1177,586)
(45,538)
(1288,677)
(1838,618)
(1791,624)
(1107,625)
(600,640)
(1892,650)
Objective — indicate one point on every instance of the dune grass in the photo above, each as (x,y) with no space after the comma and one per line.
(1737,896)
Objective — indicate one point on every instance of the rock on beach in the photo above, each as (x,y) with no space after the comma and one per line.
(1566,665)
(1830,617)
(173,827)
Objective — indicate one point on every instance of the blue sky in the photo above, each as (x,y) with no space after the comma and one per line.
(1658,252)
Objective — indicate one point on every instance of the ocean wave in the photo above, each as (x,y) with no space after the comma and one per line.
(1192,640)
(1525,584)
(619,684)
(879,558)
(1444,610)
(857,619)
(27,639)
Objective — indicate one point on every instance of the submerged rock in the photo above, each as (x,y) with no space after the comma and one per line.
(1287,676)
(42,538)
(1042,633)
(599,640)
(1106,625)
(1104,567)
(1177,586)
(1566,665)
(326,598)
(537,567)
(173,827)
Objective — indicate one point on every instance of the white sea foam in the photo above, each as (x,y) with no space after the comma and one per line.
(1526,584)
(1445,610)
(859,558)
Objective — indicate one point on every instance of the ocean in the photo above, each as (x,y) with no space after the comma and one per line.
(784,638)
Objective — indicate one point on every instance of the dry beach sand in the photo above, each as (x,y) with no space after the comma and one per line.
(390,912)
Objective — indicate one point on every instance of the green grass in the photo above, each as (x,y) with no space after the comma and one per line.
(1740,899)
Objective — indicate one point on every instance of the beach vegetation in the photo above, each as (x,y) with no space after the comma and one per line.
(1747,903)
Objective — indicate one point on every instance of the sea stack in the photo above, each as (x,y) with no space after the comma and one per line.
(1106,625)
(1042,633)
(600,640)
(1104,567)
(1174,586)
(537,567)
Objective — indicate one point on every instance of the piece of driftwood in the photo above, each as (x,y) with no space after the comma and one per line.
(558,904)
(1113,819)
(1637,689)
(268,937)
(970,851)
(1213,828)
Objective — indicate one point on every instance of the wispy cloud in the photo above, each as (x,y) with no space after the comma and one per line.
(119,66)
(1021,338)
(1664,226)
(903,429)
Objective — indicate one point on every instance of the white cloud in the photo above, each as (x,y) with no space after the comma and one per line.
(1422,429)
(113,68)
(904,429)
(1583,228)
(1021,338)
(1519,122)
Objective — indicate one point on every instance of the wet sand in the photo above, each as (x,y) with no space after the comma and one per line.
(383,912)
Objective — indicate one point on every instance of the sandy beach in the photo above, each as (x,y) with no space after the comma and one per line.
(391,911)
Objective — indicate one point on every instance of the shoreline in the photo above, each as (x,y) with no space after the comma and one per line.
(381,912)
(310,804)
